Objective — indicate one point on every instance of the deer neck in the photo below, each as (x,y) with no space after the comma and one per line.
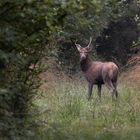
(85,64)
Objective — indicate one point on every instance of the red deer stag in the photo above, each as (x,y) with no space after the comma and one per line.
(97,72)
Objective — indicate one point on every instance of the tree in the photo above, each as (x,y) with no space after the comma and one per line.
(114,25)
(24,36)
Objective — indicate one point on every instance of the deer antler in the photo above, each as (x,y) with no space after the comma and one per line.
(78,46)
(76,42)
(88,46)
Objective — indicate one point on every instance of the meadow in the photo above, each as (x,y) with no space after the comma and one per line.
(65,113)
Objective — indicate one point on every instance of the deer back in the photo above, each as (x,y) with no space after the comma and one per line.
(98,72)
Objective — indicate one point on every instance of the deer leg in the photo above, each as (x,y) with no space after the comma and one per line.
(99,90)
(90,87)
(110,86)
(115,86)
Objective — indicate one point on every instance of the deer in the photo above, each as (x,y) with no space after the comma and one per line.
(97,72)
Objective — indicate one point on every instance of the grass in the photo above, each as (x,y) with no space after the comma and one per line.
(67,114)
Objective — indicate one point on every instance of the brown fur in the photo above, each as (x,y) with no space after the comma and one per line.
(98,73)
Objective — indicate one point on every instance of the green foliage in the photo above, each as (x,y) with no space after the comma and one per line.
(23,37)
(31,29)
(113,25)
(118,37)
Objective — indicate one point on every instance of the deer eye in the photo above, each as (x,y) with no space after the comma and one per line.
(84,52)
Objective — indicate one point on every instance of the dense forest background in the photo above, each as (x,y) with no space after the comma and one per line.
(31,30)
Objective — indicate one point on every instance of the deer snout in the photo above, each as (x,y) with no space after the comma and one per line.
(82,56)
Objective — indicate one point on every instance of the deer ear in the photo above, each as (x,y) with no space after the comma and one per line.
(78,47)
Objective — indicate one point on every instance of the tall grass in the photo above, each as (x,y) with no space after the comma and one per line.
(67,114)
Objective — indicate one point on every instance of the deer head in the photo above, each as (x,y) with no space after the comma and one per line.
(84,51)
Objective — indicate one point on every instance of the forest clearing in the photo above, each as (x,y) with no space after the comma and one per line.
(70,115)
(51,54)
